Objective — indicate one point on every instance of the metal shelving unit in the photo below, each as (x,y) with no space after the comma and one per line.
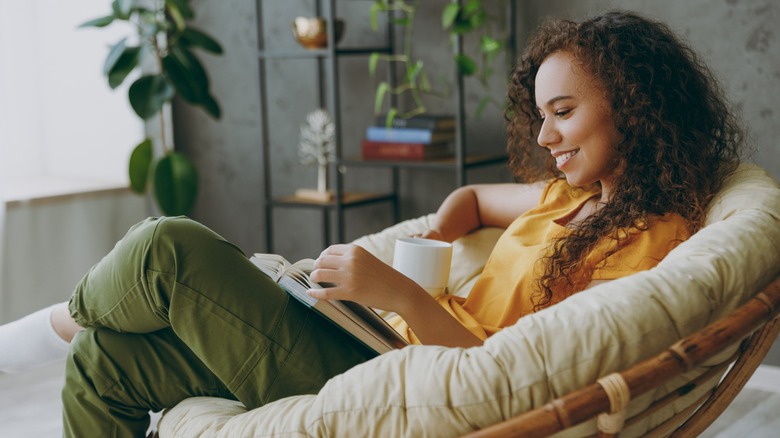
(327,59)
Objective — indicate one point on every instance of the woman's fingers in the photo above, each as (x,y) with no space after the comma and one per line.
(354,274)
(335,265)
(429,234)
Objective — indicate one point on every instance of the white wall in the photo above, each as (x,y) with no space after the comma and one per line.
(57,114)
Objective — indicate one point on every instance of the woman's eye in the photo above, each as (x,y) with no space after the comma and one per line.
(561,113)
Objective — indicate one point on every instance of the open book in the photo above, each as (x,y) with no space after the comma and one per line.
(360,321)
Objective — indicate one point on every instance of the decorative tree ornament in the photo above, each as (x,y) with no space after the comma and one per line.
(317,147)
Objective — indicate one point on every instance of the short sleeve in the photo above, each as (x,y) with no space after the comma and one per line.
(641,251)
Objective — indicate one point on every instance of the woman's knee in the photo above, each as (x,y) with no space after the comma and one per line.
(184,231)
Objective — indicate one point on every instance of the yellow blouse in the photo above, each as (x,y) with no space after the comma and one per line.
(502,293)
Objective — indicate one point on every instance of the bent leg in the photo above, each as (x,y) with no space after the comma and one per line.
(174,272)
(113,380)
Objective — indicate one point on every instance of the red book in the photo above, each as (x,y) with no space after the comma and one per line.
(382,150)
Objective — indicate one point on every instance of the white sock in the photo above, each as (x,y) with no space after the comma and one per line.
(30,342)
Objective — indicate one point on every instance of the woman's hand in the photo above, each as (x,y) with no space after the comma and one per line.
(357,275)
(429,234)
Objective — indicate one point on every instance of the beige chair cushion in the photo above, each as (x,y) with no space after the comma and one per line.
(427,390)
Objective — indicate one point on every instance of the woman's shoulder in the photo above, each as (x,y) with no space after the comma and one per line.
(667,227)
(560,191)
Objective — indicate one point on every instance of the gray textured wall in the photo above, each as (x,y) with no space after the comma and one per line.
(735,37)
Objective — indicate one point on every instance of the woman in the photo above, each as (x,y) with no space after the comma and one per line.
(622,110)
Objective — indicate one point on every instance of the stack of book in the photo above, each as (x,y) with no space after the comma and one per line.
(417,138)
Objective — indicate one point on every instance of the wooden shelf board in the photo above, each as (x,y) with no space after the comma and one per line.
(347,200)
(318,53)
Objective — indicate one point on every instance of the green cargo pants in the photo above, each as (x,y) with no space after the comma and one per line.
(175,311)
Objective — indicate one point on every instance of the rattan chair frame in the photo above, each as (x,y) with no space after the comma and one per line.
(756,324)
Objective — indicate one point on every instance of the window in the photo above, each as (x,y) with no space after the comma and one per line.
(58,117)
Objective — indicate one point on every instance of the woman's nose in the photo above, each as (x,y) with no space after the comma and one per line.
(548,135)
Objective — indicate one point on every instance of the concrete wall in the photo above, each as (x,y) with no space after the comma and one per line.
(737,38)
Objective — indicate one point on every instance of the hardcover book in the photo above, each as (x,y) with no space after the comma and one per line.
(382,150)
(408,135)
(360,321)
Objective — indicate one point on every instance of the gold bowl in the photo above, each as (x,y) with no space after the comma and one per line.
(312,33)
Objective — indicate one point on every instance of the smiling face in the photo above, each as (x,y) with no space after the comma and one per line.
(577,128)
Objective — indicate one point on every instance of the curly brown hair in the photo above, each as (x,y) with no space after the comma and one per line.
(679,136)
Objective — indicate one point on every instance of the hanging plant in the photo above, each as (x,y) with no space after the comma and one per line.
(162,33)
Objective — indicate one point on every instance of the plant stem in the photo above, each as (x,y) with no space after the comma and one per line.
(163,140)
(158,54)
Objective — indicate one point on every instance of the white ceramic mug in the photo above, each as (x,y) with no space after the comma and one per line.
(426,261)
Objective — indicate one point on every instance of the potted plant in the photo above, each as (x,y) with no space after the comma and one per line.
(458,18)
(162,51)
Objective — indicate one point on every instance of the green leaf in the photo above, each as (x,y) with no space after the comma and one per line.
(472,7)
(175,184)
(179,23)
(390,116)
(113,55)
(373,59)
(379,98)
(413,70)
(99,22)
(122,8)
(187,75)
(212,107)
(194,37)
(189,79)
(466,65)
(402,21)
(140,160)
(128,59)
(471,16)
(376,7)
(148,94)
(449,14)
(490,45)
(182,7)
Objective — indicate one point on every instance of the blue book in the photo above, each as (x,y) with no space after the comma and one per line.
(408,135)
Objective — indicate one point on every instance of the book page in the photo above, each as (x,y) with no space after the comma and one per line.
(273,265)
(360,321)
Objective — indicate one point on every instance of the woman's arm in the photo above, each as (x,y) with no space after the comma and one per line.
(469,208)
(357,275)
